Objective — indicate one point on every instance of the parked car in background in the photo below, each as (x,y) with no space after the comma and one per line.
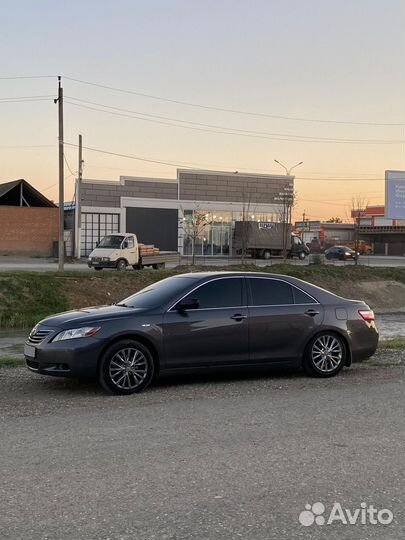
(342,253)
(205,320)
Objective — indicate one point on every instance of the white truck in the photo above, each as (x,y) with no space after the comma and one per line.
(122,250)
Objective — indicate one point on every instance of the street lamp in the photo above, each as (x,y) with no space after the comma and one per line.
(288,202)
(288,171)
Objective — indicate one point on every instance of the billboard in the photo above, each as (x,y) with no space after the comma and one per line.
(395,194)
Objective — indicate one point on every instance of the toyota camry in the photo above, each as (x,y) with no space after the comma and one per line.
(205,320)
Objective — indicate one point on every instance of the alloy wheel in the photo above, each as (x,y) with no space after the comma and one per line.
(128,369)
(327,353)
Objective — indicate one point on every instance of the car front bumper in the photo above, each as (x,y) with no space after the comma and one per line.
(101,264)
(70,358)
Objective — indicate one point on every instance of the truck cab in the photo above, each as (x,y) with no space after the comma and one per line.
(115,251)
(298,248)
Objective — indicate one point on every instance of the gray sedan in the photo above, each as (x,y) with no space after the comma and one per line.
(205,320)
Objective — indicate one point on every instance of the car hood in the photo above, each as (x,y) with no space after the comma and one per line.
(69,319)
(102,252)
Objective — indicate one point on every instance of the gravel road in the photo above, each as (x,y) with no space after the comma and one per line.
(222,456)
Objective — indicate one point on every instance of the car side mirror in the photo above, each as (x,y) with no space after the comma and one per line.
(188,303)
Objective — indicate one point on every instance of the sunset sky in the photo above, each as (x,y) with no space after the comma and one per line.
(340,62)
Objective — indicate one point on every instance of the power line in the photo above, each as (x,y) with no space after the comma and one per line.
(239,134)
(28,77)
(230,129)
(29,146)
(340,179)
(68,166)
(23,100)
(181,165)
(234,111)
(128,156)
(25,97)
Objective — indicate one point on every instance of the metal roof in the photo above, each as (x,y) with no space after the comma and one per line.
(10,195)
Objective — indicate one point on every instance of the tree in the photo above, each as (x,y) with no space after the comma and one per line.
(194,226)
(357,210)
(335,220)
(246,211)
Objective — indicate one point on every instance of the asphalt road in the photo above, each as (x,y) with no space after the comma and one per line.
(214,457)
(8,264)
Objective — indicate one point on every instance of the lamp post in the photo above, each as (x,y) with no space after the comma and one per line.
(288,202)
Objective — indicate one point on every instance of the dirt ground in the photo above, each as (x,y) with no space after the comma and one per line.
(382,296)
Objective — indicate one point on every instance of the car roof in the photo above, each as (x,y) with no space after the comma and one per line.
(319,293)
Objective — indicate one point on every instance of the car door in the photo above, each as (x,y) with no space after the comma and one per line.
(215,333)
(130,250)
(282,319)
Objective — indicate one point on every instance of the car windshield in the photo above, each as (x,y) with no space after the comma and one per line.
(159,293)
(112,241)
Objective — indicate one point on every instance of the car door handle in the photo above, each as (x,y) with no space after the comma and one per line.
(312,312)
(238,317)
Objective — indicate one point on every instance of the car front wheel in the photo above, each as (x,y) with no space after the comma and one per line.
(126,368)
(325,355)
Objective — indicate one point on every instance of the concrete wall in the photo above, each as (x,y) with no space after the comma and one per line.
(231,187)
(108,194)
(191,186)
(28,231)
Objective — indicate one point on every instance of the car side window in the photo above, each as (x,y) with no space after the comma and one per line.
(130,242)
(226,292)
(301,297)
(270,292)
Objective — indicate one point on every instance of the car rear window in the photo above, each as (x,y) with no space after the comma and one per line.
(270,292)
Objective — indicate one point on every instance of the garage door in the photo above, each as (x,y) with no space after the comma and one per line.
(158,226)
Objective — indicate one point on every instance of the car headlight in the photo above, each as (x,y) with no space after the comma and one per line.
(73,333)
(347,253)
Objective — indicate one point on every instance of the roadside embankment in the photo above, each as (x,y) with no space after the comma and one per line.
(27,297)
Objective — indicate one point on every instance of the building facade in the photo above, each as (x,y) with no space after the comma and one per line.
(29,222)
(160,211)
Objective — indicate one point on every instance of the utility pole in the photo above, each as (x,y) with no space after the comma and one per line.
(78,218)
(61,254)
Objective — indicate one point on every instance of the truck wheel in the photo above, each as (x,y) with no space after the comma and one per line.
(266,254)
(301,255)
(121,264)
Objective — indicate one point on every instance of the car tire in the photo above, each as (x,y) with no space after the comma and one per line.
(121,264)
(325,355)
(126,368)
(266,254)
(329,257)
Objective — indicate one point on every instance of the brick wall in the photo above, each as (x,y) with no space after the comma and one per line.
(28,231)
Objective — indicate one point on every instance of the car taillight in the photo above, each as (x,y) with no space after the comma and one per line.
(367,314)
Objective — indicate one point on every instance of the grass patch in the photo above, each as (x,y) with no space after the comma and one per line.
(11,361)
(28,297)
(395,343)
